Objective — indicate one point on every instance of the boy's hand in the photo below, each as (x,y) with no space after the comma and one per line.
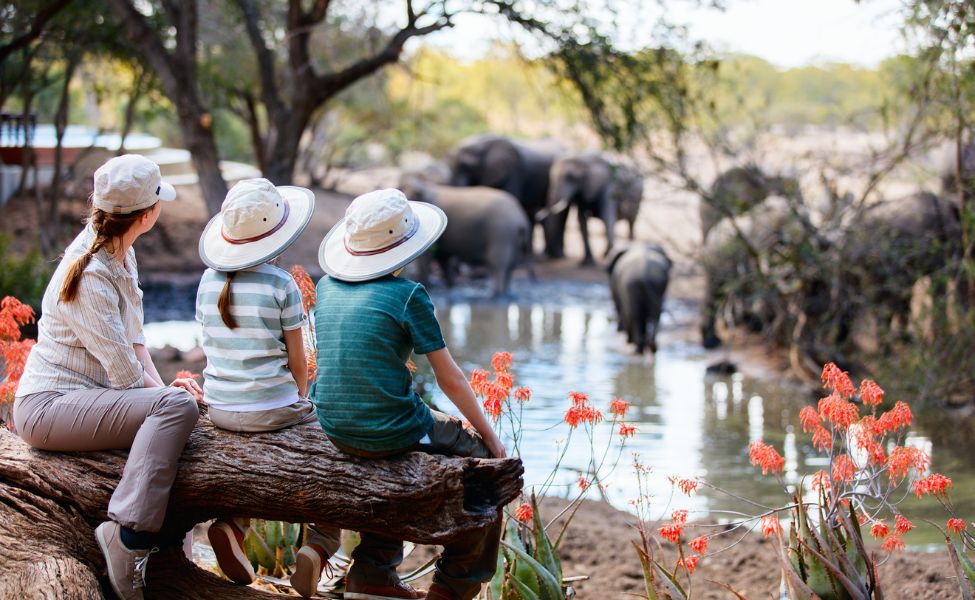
(496,447)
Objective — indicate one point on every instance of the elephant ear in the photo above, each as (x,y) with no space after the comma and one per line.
(614,255)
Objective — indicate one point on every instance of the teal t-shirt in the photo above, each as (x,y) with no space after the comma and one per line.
(365,333)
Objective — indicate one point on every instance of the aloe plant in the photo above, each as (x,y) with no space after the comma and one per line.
(271,545)
(528,564)
(827,559)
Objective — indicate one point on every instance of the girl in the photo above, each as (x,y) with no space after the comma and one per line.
(256,378)
(89,383)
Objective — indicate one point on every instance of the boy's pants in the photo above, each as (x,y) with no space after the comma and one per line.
(467,562)
(297,413)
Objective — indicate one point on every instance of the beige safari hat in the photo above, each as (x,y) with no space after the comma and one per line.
(381,232)
(129,183)
(257,222)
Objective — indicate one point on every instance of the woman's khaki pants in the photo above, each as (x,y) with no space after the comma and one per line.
(154,423)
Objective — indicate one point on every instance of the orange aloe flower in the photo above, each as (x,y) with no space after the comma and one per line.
(956,525)
(764,455)
(524,513)
(699,544)
(879,529)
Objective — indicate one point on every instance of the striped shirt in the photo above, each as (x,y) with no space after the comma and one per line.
(247,367)
(365,333)
(87,343)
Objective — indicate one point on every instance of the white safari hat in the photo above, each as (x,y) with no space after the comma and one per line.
(381,232)
(128,183)
(257,222)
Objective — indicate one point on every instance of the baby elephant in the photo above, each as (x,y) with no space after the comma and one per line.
(485,227)
(638,276)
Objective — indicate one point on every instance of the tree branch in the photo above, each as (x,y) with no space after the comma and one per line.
(265,59)
(327,85)
(36,28)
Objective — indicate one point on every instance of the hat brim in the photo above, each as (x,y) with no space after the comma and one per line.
(338,262)
(167,193)
(221,255)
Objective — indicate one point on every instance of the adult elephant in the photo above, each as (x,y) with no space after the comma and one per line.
(638,277)
(519,168)
(892,245)
(768,236)
(737,190)
(485,228)
(598,186)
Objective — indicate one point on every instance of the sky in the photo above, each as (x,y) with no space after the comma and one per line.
(787,33)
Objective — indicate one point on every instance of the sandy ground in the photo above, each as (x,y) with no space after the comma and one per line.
(599,541)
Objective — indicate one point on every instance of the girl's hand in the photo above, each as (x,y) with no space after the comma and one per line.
(191,386)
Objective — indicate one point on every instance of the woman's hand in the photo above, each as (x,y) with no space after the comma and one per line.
(496,447)
(191,386)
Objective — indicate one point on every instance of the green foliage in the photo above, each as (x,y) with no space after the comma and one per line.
(827,558)
(23,277)
(271,545)
(528,566)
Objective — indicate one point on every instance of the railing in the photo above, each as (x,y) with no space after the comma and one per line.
(16,130)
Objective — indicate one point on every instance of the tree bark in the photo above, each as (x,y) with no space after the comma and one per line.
(177,72)
(50,503)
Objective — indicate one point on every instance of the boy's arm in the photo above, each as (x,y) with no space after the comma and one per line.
(296,359)
(453,383)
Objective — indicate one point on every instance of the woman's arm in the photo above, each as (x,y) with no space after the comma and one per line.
(296,359)
(453,383)
(152,377)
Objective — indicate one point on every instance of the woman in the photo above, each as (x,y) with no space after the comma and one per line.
(89,383)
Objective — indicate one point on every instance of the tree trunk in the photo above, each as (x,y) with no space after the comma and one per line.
(282,144)
(198,138)
(50,503)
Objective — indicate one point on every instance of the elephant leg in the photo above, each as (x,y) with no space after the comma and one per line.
(614,290)
(607,213)
(632,223)
(554,228)
(709,313)
(584,231)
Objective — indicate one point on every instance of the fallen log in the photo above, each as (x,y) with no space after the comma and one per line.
(50,503)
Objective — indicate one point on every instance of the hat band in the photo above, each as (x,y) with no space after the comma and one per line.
(413,229)
(284,217)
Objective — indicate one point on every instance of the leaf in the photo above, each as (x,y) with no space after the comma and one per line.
(422,570)
(273,535)
(856,592)
(494,587)
(798,590)
(524,591)
(964,581)
(550,586)
(675,588)
(544,551)
(649,579)
(292,532)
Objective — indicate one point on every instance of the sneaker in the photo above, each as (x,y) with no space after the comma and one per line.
(126,568)
(366,591)
(309,562)
(227,541)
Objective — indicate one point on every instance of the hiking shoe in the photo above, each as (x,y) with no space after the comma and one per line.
(227,541)
(126,568)
(366,591)
(309,562)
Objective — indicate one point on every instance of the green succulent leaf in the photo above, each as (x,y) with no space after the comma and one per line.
(550,588)
(544,551)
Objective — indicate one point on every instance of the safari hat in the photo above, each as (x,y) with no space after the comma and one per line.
(128,183)
(257,222)
(381,232)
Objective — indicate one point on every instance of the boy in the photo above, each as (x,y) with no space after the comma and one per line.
(368,323)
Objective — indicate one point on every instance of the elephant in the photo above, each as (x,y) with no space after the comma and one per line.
(485,227)
(892,245)
(959,164)
(738,189)
(769,234)
(519,168)
(638,277)
(598,186)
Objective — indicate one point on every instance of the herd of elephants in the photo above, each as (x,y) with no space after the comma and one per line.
(833,257)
